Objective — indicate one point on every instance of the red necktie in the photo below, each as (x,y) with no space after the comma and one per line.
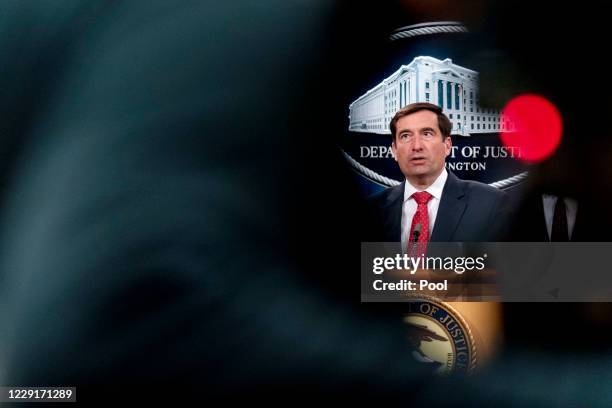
(420,224)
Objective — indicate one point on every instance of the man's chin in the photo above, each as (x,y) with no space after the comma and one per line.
(417,171)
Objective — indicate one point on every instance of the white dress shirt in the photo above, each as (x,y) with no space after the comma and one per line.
(409,206)
(571,208)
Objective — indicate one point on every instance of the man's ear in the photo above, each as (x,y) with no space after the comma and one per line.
(393,148)
(448,145)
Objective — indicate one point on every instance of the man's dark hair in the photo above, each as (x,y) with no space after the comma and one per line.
(444,122)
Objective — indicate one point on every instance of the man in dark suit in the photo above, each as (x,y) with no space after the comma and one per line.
(149,240)
(432,204)
(560,202)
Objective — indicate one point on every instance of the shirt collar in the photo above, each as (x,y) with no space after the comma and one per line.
(435,189)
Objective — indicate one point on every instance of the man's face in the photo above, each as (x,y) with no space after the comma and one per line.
(419,148)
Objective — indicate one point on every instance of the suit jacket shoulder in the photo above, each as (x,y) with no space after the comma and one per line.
(470,211)
(383,215)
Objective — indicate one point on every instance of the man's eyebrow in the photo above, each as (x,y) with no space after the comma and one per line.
(428,128)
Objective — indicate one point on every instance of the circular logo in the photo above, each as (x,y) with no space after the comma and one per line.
(429,62)
(439,337)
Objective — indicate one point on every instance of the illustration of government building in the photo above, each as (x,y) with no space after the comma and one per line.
(427,79)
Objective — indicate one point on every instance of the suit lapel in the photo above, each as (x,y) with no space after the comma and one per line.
(451,209)
(537,219)
(540,220)
(393,214)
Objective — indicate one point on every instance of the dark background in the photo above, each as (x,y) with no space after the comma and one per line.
(163,227)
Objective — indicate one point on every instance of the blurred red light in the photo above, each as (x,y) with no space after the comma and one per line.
(535,127)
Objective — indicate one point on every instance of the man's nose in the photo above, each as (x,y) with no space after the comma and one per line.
(417,143)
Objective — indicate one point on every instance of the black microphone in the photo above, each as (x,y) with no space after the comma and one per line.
(415,236)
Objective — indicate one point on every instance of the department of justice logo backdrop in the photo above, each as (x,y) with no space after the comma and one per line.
(429,67)
(439,337)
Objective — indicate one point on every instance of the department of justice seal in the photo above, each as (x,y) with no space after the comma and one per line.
(427,62)
(440,337)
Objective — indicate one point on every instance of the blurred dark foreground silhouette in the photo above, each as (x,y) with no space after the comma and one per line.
(177,225)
